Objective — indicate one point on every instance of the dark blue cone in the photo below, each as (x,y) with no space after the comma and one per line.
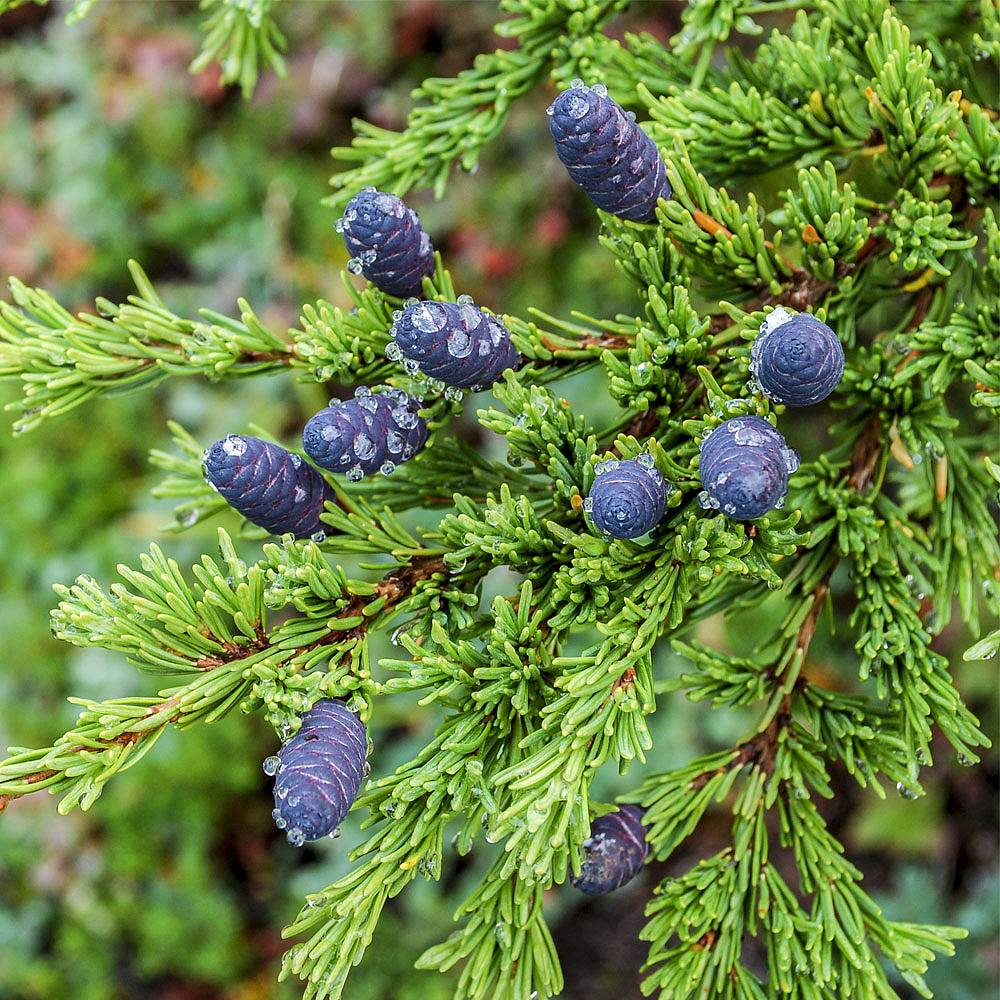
(615,852)
(745,465)
(268,485)
(607,154)
(373,432)
(627,498)
(796,359)
(318,772)
(453,342)
(389,246)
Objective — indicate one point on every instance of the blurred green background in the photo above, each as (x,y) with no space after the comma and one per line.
(175,886)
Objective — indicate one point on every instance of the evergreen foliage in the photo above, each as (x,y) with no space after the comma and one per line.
(887,231)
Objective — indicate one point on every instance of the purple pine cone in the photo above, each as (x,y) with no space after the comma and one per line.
(389,245)
(745,465)
(373,432)
(615,163)
(797,359)
(268,485)
(453,342)
(616,851)
(318,772)
(627,498)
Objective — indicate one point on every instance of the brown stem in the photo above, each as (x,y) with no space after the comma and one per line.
(804,289)
(394,586)
(762,747)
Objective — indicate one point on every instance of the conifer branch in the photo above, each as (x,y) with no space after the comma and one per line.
(64,360)
(188,637)
(529,714)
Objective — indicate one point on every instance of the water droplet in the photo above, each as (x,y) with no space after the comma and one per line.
(271,765)
(600,90)
(588,504)
(188,518)
(364,446)
(387,468)
(428,317)
(465,300)
(575,106)
(329,432)
(906,792)
(404,418)
(296,837)
(354,265)
(355,474)
(234,445)
(318,536)
(459,344)
(704,500)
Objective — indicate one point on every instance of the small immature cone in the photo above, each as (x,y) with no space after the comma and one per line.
(627,498)
(796,359)
(453,342)
(268,485)
(607,154)
(744,468)
(373,432)
(389,246)
(615,852)
(319,772)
